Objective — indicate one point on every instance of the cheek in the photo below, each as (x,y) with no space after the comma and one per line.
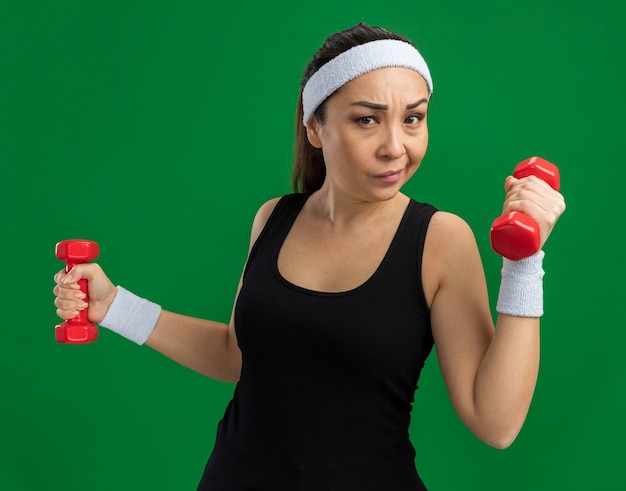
(418,150)
(343,148)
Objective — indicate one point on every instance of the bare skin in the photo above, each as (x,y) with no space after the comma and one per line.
(374,139)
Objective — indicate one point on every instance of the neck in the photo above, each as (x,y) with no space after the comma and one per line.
(340,210)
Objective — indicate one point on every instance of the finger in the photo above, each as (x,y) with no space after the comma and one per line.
(509,182)
(66,280)
(529,189)
(534,206)
(545,212)
(533,183)
(77,273)
(536,210)
(68,293)
(66,314)
(59,275)
(524,195)
(70,304)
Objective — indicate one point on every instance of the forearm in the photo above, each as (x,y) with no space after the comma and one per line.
(202,345)
(506,380)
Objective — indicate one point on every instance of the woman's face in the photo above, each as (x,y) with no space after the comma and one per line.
(375,134)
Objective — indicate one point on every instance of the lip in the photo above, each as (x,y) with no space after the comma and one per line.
(390,176)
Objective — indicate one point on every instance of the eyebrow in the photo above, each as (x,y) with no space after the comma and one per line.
(384,107)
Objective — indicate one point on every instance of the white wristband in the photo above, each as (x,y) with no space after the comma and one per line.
(521,289)
(131,316)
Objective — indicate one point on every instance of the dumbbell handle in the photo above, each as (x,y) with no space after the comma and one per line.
(78,330)
(515,235)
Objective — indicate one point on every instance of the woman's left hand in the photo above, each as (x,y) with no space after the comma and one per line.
(535,198)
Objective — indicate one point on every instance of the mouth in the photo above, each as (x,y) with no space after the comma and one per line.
(390,176)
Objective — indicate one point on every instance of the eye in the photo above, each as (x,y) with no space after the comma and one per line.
(414,118)
(366,120)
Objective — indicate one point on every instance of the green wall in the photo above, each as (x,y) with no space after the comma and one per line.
(158,128)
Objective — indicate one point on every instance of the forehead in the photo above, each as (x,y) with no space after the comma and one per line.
(396,82)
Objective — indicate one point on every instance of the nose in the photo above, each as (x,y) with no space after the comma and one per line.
(392,143)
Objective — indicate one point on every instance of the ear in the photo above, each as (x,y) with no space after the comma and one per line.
(312,133)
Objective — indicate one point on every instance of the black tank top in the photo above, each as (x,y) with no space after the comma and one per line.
(328,379)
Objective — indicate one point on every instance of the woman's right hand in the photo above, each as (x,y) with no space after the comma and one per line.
(70,299)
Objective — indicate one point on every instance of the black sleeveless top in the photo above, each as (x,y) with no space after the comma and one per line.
(328,379)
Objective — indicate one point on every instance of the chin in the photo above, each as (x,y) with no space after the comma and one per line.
(386,194)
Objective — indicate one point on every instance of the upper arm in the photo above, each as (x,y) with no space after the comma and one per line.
(460,315)
(260,219)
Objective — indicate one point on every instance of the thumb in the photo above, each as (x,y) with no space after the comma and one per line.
(77,273)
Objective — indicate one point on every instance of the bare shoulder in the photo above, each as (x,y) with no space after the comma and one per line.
(449,232)
(450,253)
(261,217)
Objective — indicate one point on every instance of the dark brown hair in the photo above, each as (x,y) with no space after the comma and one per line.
(309,169)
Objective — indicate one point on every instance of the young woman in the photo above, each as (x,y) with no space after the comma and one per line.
(348,285)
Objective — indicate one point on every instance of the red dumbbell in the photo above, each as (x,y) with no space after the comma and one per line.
(515,235)
(77,330)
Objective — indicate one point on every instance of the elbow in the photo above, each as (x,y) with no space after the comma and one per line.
(495,432)
(225,377)
(224,374)
(501,443)
(231,372)
(231,378)
(225,369)
(500,439)
(498,429)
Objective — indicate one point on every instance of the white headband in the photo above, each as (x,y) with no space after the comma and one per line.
(357,61)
